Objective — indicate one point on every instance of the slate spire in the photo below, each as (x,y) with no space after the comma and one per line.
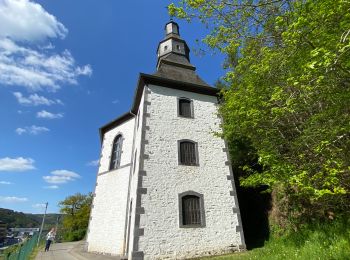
(174,57)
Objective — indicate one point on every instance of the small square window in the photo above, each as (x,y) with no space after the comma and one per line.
(187,153)
(185,107)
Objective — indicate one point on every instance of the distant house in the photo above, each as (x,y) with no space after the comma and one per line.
(24,230)
(165,188)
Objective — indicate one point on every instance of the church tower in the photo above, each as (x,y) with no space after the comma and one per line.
(165,187)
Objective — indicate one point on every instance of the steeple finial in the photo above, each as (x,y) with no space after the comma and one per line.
(172,28)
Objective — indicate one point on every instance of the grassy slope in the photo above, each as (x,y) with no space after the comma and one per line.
(326,241)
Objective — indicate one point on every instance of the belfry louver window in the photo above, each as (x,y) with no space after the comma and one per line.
(116,153)
(185,107)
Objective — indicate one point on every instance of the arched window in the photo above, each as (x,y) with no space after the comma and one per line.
(191,207)
(188,152)
(116,152)
(185,107)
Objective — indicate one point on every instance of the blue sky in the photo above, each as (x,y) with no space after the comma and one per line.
(67,68)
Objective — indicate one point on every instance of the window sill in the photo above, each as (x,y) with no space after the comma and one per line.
(193,165)
(192,226)
(188,117)
(116,169)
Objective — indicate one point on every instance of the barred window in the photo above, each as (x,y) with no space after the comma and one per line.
(185,107)
(116,152)
(191,211)
(187,153)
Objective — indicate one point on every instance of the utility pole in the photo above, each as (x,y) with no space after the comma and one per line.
(42,224)
(57,221)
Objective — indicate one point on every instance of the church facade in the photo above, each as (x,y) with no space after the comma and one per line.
(165,188)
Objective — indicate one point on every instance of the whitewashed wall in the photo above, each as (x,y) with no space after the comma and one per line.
(163,238)
(127,130)
(107,223)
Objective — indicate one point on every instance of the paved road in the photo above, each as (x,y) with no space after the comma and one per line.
(70,251)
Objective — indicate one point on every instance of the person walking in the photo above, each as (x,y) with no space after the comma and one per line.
(49,238)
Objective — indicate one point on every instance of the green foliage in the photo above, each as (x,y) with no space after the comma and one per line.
(76,219)
(289,95)
(330,240)
(75,235)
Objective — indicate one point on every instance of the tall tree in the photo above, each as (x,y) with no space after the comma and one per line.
(289,95)
(76,210)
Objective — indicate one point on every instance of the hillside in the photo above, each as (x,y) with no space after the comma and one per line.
(20,219)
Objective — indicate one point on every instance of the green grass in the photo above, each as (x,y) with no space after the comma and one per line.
(37,249)
(317,241)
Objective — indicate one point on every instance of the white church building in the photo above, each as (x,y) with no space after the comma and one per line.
(165,187)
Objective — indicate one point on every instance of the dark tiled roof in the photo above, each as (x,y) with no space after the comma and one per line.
(177,67)
(115,122)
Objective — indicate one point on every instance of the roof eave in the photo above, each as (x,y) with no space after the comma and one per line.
(145,79)
(121,119)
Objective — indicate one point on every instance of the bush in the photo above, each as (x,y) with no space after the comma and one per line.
(75,235)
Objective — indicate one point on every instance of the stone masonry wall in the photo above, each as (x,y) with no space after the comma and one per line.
(165,179)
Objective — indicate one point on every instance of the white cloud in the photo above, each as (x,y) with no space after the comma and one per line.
(85,70)
(12,199)
(48,115)
(23,66)
(35,100)
(57,179)
(23,62)
(59,102)
(93,163)
(5,182)
(25,20)
(32,130)
(39,205)
(51,187)
(61,176)
(18,164)
(65,173)
(20,130)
